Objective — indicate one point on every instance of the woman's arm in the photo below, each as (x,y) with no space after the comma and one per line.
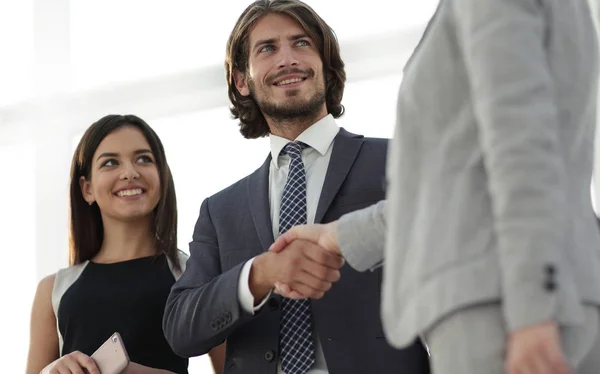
(44,356)
(43,336)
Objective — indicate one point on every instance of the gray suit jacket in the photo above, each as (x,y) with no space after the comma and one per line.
(235,225)
(490,170)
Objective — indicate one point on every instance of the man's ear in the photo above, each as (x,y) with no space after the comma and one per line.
(86,190)
(241,83)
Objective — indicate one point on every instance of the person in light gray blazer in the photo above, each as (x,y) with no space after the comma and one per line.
(491,246)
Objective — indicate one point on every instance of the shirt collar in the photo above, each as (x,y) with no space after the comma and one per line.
(318,136)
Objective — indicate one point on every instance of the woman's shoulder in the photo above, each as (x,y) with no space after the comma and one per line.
(47,282)
(63,279)
(45,286)
(182,258)
(182,255)
(69,274)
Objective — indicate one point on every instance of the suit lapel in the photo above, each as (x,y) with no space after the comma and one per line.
(345,150)
(258,199)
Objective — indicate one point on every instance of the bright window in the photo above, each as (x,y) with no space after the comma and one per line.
(18,243)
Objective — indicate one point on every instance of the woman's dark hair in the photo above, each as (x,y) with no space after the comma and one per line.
(252,122)
(86,229)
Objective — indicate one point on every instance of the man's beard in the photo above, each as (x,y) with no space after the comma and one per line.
(291,110)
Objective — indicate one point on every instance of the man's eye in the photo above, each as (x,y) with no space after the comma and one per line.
(267,48)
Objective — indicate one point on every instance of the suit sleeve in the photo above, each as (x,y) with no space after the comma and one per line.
(361,235)
(203,307)
(514,103)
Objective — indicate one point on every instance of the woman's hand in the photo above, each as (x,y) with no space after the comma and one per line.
(72,363)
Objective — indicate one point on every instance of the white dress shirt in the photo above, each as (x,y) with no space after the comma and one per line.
(319,137)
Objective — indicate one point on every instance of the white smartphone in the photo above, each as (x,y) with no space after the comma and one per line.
(111,357)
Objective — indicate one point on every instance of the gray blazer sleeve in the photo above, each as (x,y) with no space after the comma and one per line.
(502,45)
(203,308)
(361,235)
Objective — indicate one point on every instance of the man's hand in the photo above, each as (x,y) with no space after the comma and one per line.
(324,235)
(304,266)
(536,350)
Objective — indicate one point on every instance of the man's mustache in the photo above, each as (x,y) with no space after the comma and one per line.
(309,73)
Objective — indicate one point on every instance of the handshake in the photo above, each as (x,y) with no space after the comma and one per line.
(303,263)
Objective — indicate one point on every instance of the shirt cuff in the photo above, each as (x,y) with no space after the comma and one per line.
(245,295)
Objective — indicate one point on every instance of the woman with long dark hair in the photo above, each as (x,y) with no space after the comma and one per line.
(123,256)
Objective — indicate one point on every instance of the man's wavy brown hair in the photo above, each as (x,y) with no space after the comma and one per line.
(252,122)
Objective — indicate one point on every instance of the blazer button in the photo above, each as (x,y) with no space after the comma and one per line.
(273,304)
(269,356)
(550,285)
(227,317)
(213,325)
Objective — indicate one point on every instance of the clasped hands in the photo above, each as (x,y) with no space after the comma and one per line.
(533,349)
(303,263)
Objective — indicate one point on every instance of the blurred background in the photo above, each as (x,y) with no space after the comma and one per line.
(64,64)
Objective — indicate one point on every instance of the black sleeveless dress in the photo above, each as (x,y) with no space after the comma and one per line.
(96,300)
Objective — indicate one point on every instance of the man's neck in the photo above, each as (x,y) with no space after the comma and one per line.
(292,128)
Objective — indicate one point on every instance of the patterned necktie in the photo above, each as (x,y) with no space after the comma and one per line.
(297,346)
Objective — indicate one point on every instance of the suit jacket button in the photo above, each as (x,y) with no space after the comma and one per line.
(269,356)
(227,317)
(550,270)
(550,285)
(213,325)
(273,304)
